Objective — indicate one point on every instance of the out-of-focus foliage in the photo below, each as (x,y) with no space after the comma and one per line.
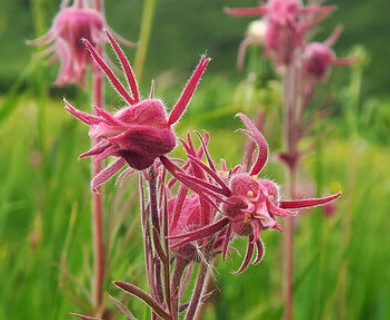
(182,30)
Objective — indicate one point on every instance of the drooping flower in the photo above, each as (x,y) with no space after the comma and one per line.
(287,22)
(254,35)
(247,204)
(72,24)
(139,132)
(319,57)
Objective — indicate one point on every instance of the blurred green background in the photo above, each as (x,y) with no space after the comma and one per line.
(341,261)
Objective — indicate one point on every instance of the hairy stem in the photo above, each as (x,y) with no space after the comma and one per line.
(291,140)
(97,205)
(180,265)
(196,297)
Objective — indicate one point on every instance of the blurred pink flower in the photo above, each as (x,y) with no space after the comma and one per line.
(247,204)
(287,22)
(319,57)
(139,132)
(71,25)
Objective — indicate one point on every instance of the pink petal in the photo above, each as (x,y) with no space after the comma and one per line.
(261,144)
(273,209)
(188,91)
(106,69)
(304,203)
(145,140)
(108,152)
(126,67)
(181,196)
(97,149)
(246,11)
(248,257)
(199,233)
(107,173)
(81,115)
(206,151)
(109,117)
(226,241)
(260,251)
(334,36)
(345,61)
(224,188)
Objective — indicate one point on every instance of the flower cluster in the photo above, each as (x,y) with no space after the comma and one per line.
(138,133)
(245,204)
(287,22)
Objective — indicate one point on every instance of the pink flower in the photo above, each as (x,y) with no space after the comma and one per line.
(247,204)
(319,57)
(139,132)
(64,40)
(188,212)
(287,22)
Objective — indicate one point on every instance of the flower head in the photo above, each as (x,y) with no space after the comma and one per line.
(71,25)
(319,57)
(247,204)
(141,131)
(287,22)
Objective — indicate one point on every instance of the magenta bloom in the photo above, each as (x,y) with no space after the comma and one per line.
(247,204)
(64,40)
(139,132)
(319,57)
(189,212)
(287,22)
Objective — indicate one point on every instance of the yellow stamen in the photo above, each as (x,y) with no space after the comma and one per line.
(247,218)
(250,194)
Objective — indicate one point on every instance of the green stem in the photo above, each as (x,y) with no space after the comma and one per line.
(143,42)
(41,84)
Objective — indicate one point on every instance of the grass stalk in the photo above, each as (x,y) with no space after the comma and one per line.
(143,42)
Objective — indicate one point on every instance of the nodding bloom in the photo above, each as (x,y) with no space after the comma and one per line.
(189,212)
(246,204)
(254,35)
(319,57)
(64,41)
(287,22)
(141,131)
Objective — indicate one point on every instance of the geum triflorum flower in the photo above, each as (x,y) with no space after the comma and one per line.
(71,25)
(188,212)
(319,57)
(287,22)
(139,132)
(247,204)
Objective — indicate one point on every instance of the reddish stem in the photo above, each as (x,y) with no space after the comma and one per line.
(197,293)
(288,247)
(290,127)
(97,206)
(99,5)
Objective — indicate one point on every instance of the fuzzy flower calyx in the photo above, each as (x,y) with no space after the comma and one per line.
(246,203)
(138,133)
(319,57)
